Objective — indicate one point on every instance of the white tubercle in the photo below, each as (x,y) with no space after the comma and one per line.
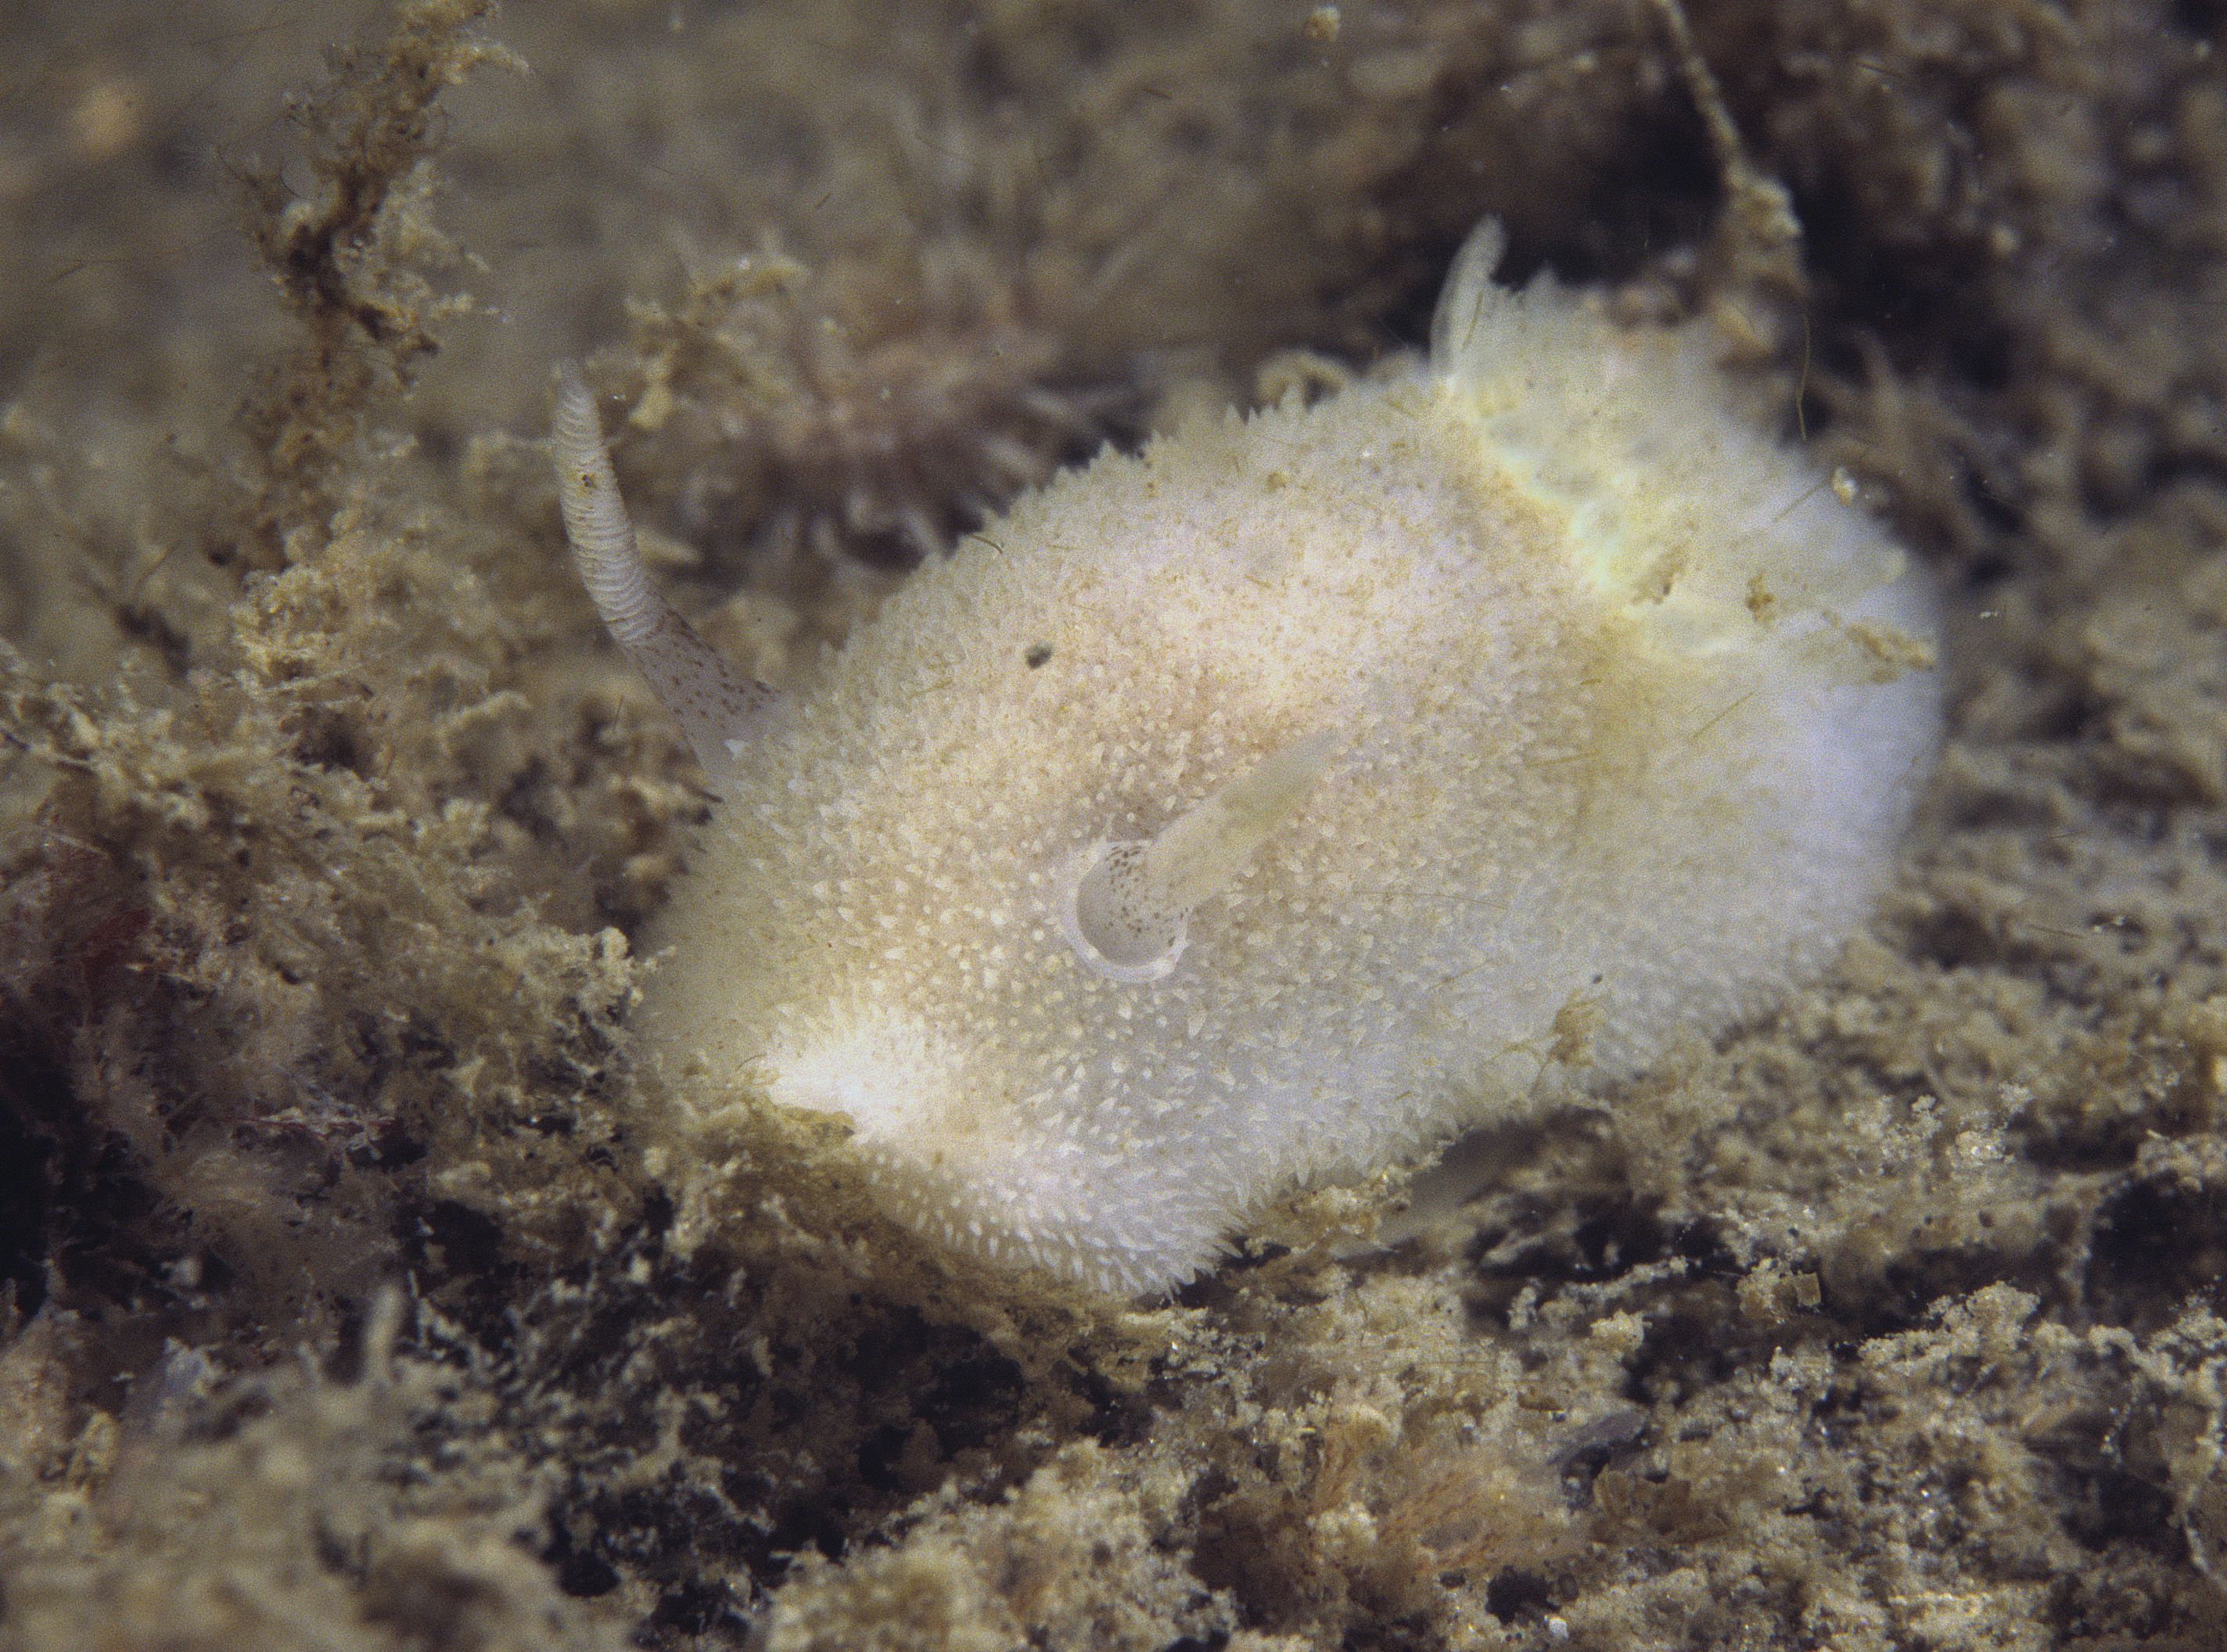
(1131,900)
(713,706)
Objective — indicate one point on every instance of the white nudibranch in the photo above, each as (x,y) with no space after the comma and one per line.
(1244,813)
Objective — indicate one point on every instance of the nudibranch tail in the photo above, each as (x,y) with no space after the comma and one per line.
(1133,900)
(712,703)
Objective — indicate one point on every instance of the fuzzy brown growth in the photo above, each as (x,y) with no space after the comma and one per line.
(865,411)
(370,312)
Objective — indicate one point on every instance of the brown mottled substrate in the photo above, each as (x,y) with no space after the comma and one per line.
(360,1291)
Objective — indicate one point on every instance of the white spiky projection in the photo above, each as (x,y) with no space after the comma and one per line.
(1244,813)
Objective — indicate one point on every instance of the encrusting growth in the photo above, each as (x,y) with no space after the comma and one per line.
(1252,811)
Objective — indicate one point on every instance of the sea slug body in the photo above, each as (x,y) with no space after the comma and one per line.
(1243,813)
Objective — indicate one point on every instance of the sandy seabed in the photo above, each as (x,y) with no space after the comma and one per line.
(361,1288)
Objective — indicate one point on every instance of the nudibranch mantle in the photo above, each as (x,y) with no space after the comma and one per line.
(1244,813)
